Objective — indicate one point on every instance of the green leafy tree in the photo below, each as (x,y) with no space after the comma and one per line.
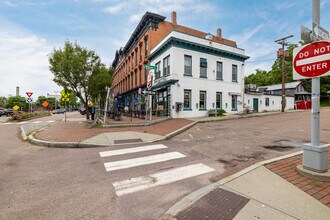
(2,101)
(16,100)
(73,67)
(98,84)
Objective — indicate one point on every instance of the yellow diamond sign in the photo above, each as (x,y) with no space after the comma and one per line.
(65,93)
(16,107)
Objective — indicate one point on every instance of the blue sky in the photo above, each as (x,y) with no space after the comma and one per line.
(31,29)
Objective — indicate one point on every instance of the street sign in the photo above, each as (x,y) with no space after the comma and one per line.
(29,94)
(312,60)
(319,32)
(65,93)
(148,92)
(29,100)
(306,34)
(149,81)
(45,104)
(150,67)
(65,99)
(16,107)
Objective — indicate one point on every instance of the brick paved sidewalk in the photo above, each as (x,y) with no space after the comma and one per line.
(286,168)
(78,131)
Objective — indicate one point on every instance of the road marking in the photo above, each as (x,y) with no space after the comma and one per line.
(198,128)
(191,136)
(51,121)
(162,178)
(23,122)
(123,164)
(36,122)
(131,150)
(8,123)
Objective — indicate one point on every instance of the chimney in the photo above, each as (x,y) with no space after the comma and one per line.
(219,34)
(17,90)
(173,17)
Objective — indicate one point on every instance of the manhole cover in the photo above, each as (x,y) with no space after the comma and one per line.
(219,204)
(127,141)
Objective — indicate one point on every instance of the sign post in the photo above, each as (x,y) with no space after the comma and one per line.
(65,97)
(313,61)
(29,100)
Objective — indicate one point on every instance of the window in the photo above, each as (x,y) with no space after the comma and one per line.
(219,70)
(146,71)
(187,99)
(132,60)
(218,100)
(140,50)
(158,71)
(187,65)
(166,66)
(234,102)
(136,55)
(234,73)
(203,68)
(267,101)
(140,76)
(135,78)
(202,100)
(146,46)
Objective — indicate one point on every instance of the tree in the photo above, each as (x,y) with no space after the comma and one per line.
(2,101)
(99,82)
(73,67)
(16,100)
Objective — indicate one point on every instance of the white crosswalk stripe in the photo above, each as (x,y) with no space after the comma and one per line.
(131,150)
(131,185)
(123,164)
(51,121)
(162,178)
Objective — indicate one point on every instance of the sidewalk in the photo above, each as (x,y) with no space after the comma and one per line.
(268,190)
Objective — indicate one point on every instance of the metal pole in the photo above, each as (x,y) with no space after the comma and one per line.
(146,102)
(106,106)
(315,131)
(283,79)
(65,111)
(315,156)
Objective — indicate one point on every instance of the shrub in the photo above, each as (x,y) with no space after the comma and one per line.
(221,112)
(26,116)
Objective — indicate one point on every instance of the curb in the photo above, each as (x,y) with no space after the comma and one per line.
(39,142)
(191,198)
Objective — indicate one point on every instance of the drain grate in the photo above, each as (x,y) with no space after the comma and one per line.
(219,204)
(127,141)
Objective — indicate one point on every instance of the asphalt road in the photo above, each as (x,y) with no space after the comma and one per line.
(49,183)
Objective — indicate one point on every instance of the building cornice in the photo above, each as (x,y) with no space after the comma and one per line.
(180,43)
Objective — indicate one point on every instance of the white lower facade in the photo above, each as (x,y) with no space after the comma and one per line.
(190,81)
(267,103)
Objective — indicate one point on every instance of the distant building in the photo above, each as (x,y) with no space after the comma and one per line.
(269,98)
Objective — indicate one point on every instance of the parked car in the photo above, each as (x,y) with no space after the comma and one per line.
(59,111)
(2,112)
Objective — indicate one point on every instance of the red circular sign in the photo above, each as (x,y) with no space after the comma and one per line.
(313,60)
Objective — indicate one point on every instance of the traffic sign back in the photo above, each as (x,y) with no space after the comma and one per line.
(312,60)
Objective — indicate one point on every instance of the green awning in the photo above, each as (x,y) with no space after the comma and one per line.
(163,84)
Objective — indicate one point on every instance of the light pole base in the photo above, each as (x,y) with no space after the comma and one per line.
(315,158)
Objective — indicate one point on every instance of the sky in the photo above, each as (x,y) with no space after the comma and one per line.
(31,29)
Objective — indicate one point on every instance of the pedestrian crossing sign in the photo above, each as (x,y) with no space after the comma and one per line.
(65,99)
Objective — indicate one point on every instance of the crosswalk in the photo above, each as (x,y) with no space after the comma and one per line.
(25,122)
(135,184)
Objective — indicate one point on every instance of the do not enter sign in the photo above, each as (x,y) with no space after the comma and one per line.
(312,60)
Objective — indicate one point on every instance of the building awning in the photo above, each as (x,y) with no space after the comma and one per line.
(163,84)
(234,93)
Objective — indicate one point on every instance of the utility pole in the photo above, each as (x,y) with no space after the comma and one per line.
(283,43)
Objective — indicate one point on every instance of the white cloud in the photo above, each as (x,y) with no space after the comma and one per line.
(24,63)
(116,8)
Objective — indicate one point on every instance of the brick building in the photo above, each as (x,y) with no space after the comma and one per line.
(130,74)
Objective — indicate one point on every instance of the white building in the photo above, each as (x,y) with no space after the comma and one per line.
(196,74)
(260,102)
